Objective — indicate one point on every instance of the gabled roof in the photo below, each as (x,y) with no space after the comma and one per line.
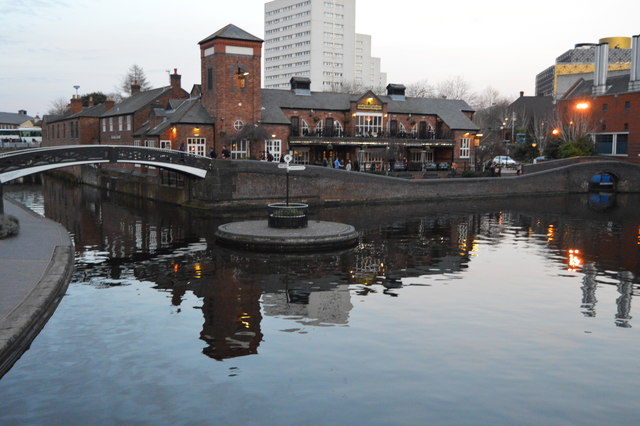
(450,111)
(533,106)
(190,111)
(136,102)
(231,32)
(14,118)
(95,111)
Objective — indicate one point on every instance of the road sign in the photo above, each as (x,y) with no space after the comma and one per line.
(297,167)
(282,165)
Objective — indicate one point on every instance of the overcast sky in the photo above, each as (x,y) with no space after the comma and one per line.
(48,46)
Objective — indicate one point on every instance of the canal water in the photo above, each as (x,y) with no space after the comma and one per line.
(512,311)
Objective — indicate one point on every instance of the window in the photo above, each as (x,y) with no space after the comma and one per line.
(240,149)
(274,147)
(605,107)
(128,123)
(611,143)
(136,142)
(120,122)
(301,156)
(626,127)
(104,124)
(209,79)
(238,125)
(319,128)
(295,126)
(368,125)
(305,127)
(338,130)
(111,124)
(465,144)
(627,106)
(165,144)
(197,146)
(150,143)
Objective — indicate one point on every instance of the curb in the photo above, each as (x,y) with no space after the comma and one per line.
(24,322)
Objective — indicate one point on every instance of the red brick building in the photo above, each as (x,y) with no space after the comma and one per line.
(229,108)
(608,106)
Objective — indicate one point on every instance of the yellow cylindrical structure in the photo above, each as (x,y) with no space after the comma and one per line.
(617,42)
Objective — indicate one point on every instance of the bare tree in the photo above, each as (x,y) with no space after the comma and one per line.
(134,75)
(421,89)
(59,106)
(456,88)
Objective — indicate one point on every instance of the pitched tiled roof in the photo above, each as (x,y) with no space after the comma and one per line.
(615,85)
(14,118)
(94,111)
(533,106)
(231,32)
(450,111)
(190,111)
(137,101)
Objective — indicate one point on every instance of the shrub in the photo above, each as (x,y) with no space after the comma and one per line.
(9,226)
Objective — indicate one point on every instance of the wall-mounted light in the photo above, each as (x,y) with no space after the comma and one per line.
(242,73)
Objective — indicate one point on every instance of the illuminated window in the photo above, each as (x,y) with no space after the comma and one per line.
(369,125)
(465,143)
(196,146)
(240,149)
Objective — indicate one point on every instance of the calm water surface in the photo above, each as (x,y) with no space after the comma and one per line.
(497,312)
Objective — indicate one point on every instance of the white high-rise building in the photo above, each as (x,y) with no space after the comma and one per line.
(314,39)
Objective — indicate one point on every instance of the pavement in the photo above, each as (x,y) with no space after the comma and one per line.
(35,270)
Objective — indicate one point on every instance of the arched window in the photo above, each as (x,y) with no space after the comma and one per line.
(402,131)
(305,127)
(338,130)
(319,127)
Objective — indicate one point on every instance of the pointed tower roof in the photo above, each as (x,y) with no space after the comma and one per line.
(233,33)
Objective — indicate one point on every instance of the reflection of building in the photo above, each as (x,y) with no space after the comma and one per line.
(311,307)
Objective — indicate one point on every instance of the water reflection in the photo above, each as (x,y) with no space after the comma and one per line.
(120,240)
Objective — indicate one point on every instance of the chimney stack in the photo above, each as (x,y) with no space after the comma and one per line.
(176,85)
(135,88)
(76,104)
(521,93)
(22,112)
(601,69)
(634,78)
(109,103)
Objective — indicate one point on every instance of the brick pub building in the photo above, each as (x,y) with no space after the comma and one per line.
(231,109)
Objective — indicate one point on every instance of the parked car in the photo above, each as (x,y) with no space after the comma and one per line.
(431,167)
(443,166)
(539,160)
(504,161)
(399,166)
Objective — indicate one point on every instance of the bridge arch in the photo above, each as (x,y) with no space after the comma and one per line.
(20,163)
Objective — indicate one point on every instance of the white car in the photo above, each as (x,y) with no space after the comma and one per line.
(504,160)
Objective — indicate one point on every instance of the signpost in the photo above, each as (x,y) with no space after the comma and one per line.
(287,160)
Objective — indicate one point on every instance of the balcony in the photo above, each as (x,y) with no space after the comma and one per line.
(428,138)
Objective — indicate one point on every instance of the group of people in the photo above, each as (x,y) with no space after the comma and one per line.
(224,154)
(337,164)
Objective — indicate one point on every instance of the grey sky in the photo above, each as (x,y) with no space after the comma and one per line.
(48,46)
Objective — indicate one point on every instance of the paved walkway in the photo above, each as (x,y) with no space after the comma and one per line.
(35,269)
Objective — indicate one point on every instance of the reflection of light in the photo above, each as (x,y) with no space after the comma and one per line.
(639,235)
(244,320)
(575,261)
(176,267)
(198,270)
(551,233)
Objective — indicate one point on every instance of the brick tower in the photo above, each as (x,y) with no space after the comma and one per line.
(231,79)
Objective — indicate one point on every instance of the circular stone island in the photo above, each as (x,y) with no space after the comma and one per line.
(258,235)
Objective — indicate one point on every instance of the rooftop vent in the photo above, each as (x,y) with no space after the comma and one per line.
(396,92)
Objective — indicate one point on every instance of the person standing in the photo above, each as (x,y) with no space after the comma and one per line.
(337,164)
(348,166)
(225,152)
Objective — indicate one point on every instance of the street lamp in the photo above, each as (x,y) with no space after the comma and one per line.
(76,87)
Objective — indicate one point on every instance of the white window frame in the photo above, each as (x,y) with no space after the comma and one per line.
(150,143)
(129,123)
(165,144)
(304,127)
(369,122)
(197,146)
(120,122)
(614,143)
(104,124)
(136,142)
(274,147)
(240,149)
(465,147)
(319,127)
(338,130)
(111,124)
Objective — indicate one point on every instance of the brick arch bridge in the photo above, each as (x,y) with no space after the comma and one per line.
(19,163)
